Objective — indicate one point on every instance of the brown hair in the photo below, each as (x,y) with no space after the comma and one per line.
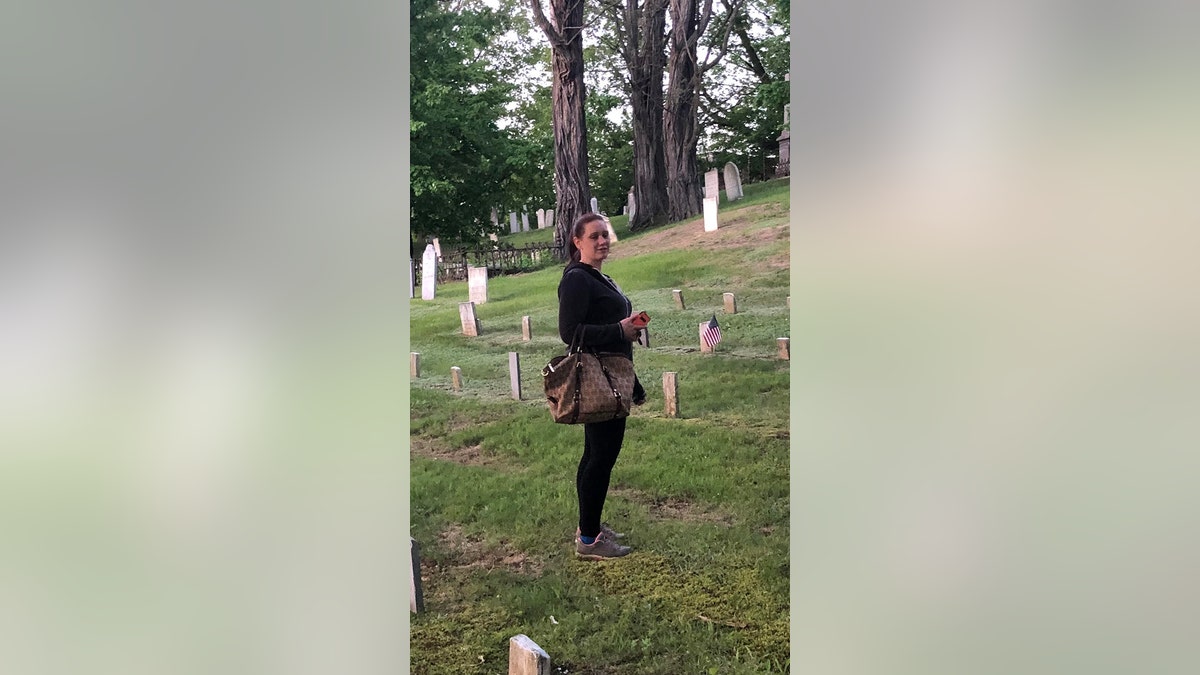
(577,229)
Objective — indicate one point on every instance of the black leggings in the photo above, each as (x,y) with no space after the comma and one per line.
(601,445)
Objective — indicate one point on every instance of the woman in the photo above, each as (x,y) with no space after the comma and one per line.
(593,303)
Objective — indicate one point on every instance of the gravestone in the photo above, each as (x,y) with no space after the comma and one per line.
(710,214)
(524,222)
(730,303)
(525,657)
(493,237)
(733,182)
(595,206)
(477,281)
(526,329)
(470,323)
(513,226)
(495,219)
(456,378)
(412,280)
(785,348)
(678,298)
(712,184)
(437,248)
(514,374)
(541,218)
(414,364)
(631,206)
(550,218)
(612,234)
(671,394)
(705,348)
(429,266)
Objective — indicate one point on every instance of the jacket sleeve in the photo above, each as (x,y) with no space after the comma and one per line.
(574,300)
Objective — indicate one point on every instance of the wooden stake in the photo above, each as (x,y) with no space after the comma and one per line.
(414,364)
(456,378)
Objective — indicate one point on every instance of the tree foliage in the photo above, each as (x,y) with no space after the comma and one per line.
(458,153)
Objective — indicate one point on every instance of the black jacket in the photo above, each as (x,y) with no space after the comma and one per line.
(590,299)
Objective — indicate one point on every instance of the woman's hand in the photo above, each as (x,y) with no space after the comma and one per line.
(628,329)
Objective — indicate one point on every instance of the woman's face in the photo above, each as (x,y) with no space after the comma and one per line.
(593,245)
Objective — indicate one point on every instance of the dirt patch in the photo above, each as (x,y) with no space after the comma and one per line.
(473,455)
(673,508)
(471,552)
(738,228)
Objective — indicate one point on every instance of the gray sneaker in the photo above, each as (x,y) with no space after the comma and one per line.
(606,530)
(602,549)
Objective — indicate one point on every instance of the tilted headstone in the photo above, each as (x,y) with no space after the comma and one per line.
(712,184)
(524,222)
(710,214)
(437,248)
(429,266)
(678,298)
(470,323)
(477,281)
(595,206)
(513,226)
(733,182)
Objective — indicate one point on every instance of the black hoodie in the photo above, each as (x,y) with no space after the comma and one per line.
(592,300)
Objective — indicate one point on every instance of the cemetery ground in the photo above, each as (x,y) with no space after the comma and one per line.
(703,497)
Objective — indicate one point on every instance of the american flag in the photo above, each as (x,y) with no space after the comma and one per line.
(712,333)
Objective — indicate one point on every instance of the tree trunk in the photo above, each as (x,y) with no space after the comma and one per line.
(645,55)
(679,123)
(565,32)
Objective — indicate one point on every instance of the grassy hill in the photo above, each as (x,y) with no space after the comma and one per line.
(703,496)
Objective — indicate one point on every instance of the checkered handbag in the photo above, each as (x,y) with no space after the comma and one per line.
(587,386)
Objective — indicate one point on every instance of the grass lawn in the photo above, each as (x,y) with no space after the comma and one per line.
(704,497)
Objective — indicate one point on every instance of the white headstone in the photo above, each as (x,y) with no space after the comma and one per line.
(733,182)
(429,266)
(477,278)
(710,214)
(550,218)
(513,226)
(468,319)
(612,234)
(595,206)
(631,207)
(524,222)
(541,218)
(712,184)
(437,248)
(495,219)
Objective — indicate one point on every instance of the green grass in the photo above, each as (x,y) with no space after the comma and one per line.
(704,496)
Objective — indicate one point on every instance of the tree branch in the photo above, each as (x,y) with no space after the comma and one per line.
(539,17)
